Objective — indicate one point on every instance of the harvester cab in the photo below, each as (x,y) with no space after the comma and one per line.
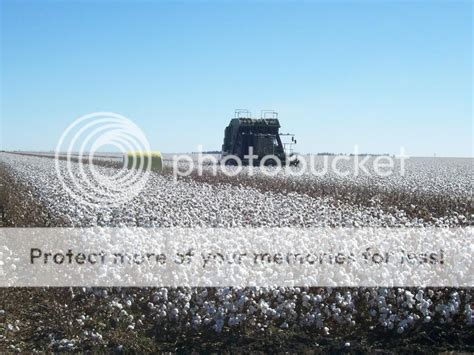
(262,135)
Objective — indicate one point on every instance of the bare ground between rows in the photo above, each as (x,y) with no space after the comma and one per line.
(416,204)
(21,208)
(52,313)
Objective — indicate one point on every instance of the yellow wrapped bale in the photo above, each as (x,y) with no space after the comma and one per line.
(134,159)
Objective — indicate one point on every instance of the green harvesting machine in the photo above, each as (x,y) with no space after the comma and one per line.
(262,134)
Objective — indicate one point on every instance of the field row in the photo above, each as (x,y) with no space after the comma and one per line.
(425,197)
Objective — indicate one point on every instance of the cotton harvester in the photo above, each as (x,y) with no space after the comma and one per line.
(262,134)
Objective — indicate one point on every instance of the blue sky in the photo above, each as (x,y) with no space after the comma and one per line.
(377,74)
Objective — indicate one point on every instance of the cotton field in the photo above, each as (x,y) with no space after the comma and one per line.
(433,192)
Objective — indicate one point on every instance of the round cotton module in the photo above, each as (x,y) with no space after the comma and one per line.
(152,160)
